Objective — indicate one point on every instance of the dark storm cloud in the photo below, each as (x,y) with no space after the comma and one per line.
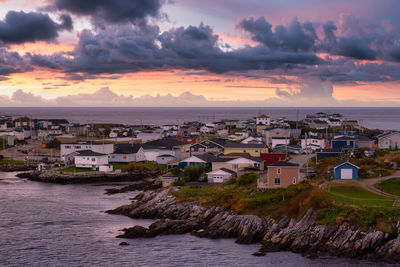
(295,37)
(115,11)
(21,27)
(127,49)
(11,62)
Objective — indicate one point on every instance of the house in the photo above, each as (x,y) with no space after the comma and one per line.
(279,141)
(352,123)
(282,174)
(318,124)
(272,157)
(90,159)
(263,120)
(165,159)
(365,142)
(252,140)
(346,143)
(125,153)
(69,148)
(187,130)
(170,146)
(389,140)
(207,129)
(146,137)
(347,132)
(334,122)
(48,134)
(345,170)
(240,164)
(328,153)
(222,175)
(253,149)
(313,143)
(289,149)
(275,133)
(21,133)
(205,159)
(213,146)
(24,122)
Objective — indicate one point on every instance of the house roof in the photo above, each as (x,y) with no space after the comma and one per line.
(165,143)
(344,162)
(223,169)
(206,157)
(329,150)
(89,153)
(344,138)
(235,145)
(363,138)
(166,156)
(283,164)
(127,148)
(263,116)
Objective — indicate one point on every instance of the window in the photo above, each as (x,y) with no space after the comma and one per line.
(235,166)
(77,147)
(67,146)
(294,180)
(277,181)
(279,171)
(93,159)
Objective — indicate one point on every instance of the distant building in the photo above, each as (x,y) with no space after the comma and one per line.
(69,148)
(125,153)
(263,120)
(222,175)
(253,149)
(389,140)
(280,174)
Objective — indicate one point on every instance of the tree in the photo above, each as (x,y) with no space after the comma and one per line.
(247,178)
(193,173)
(176,171)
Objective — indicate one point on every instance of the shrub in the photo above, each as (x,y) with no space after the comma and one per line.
(318,199)
(193,173)
(176,171)
(180,182)
(247,178)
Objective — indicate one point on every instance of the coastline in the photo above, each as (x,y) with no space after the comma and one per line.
(296,235)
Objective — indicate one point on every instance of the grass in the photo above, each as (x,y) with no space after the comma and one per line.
(14,162)
(391,186)
(118,166)
(75,170)
(353,195)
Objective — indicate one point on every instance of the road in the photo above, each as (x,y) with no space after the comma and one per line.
(31,146)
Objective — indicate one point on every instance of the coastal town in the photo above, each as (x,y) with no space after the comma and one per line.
(323,166)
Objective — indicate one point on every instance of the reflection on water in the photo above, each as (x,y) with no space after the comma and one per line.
(65,225)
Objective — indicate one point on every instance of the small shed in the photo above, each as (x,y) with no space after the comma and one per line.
(345,170)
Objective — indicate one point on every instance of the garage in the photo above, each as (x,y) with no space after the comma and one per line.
(345,170)
(218,179)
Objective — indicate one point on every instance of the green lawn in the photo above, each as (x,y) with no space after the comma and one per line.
(76,170)
(118,166)
(391,186)
(15,162)
(352,195)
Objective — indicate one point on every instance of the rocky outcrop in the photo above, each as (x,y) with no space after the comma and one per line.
(303,236)
(78,178)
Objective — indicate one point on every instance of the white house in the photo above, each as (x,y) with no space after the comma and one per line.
(146,137)
(125,153)
(252,140)
(222,175)
(389,140)
(313,143)
(69,148)
(21,134)
(279,141)
(165,159)
(90,159)
(334,122)
(206,129)
(264,120)
(166,146)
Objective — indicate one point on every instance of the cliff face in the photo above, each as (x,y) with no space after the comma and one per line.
(287,234)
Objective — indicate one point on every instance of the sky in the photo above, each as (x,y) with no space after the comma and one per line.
(199,53)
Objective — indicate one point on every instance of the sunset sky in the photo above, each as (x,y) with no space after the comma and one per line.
(199,53)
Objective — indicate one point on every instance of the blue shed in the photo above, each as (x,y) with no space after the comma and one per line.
(345,170)
(344,143)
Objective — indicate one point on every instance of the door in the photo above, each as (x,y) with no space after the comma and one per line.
(346,173)
(218,179)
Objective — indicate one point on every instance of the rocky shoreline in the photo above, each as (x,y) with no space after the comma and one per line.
(57,178)
(301,236)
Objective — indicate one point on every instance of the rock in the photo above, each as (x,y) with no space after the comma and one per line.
(259,253)
(124,244)
(298,235)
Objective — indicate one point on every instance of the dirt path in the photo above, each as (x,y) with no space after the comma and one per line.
(368,184)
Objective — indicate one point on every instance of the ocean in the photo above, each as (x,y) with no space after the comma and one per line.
(65,225)
(381,118)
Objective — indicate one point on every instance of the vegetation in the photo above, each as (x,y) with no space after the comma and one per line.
(391,186)
(55,143)
(247,178)
(353,195)
(143,167)
(193,173)
(14,162)
(70,170)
